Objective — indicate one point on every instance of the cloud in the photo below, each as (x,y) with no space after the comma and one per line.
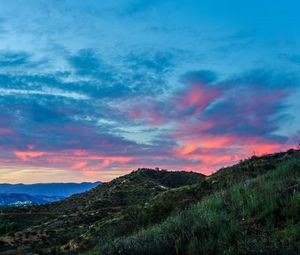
(26,155)
(98,116)
(251,105)
(179,91)
(139,73)
(12,59)
(242,119)
(85,62)
(196,95)
(46,91)
(196,99)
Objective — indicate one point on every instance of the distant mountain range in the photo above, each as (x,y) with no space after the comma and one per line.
(47,189)
(18,195)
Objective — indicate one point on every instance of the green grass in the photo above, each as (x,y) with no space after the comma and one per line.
(257,216)
(7,227)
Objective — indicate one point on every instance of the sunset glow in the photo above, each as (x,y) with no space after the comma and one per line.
(93,91)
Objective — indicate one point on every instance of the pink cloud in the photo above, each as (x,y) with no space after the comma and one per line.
(71,159)
(79,165)
(148,112)
(27,155)
(198,97)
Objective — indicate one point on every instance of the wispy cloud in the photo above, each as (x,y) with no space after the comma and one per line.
(45,92)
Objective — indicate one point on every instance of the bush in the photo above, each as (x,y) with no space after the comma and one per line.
(7,227)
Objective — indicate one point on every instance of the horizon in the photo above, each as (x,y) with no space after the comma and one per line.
(21,183)
(295,148)
(90,91)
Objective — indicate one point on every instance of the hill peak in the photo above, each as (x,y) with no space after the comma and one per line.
(170,179)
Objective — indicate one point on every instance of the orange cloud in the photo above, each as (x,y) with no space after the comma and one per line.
(214,152)
(81,159)
(186,149)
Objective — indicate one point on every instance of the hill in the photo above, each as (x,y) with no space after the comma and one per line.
(80,212)
(249,208)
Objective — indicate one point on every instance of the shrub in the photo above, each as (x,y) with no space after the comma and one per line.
(7,227)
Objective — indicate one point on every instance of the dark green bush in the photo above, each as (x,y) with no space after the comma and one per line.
(7,227)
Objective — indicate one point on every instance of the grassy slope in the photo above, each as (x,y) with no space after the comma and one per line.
(62,224)
(250,208)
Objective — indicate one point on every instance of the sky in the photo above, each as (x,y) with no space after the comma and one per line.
(91,90)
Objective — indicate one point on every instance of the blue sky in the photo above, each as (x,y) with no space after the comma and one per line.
(92,90)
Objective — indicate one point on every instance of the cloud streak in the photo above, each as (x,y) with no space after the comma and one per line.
(45,92)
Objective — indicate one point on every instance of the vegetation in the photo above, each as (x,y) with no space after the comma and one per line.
(250,208)
(7,227)
(259,217)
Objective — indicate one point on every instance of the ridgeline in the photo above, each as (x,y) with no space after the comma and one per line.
(249,208)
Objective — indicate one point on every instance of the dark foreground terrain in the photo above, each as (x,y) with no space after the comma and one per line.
(250,208)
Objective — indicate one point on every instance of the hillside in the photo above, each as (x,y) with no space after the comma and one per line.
(80,212)
(249,208)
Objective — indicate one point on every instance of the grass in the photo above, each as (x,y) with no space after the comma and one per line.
(257,216)
(7,227)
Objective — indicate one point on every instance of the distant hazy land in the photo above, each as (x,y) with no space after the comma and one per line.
(40,193)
